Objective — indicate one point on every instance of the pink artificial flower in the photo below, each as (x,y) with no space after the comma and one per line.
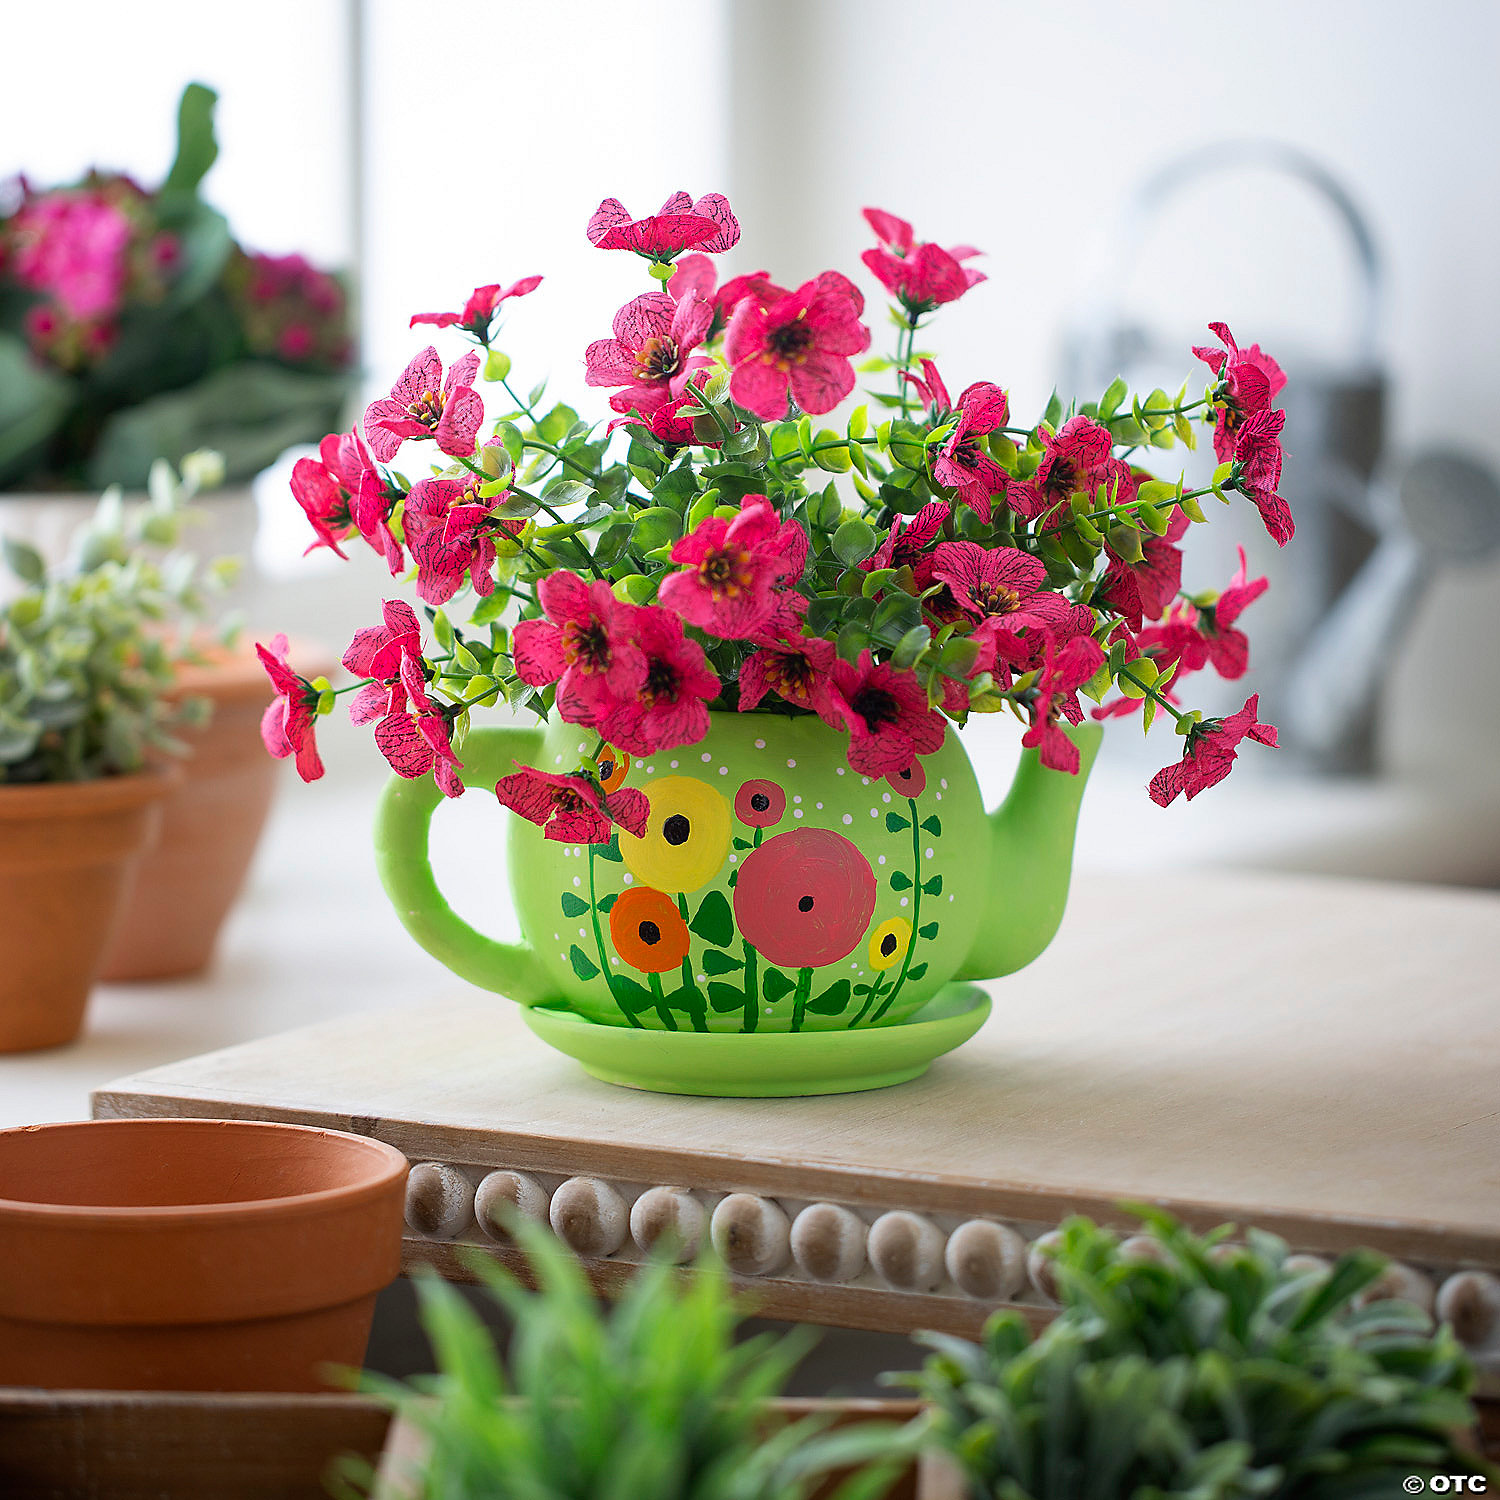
(735,574)
(696,273)
(377,652)
(450,534)
(422,404)
(288,724)
(1191,639)
(1065,669)
(420,738)
(1002,584)
(479,311)
(1210,755)
(798,671)
(1248,382)
(680,225)
(887,715)
(585,644)
(962,464)
(572,809)
(668,424)
(921,276)
(1257,446)
(341,491)
(670,707)
(651,354)
(1078,457)
(1142,590)
(802,340)
(906,543)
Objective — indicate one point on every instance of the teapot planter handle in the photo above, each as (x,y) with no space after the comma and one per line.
(402,823)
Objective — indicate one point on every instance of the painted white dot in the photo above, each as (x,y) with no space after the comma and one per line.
(943,782)
(651,770)
(701,978)
(563,956)
(557,760)
(578,880)
(615,961)
(791,765)
(768,1010)
(950,895)
(838,771)
(904,900)
(885,796)
(673,764)
(723,770)
(796,812)
(734,859)
(864,781)
(848,817)
(760,744)
(881,859)
(629,878)
(938,796)
(706,756)
(817,805)
(928,854)
(582,932)
(796,799)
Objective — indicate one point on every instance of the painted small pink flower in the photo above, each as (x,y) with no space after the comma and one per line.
(572,809)
(800,342)
(1212,748)
(419,738)
(1249,381)
(911,781)
(287,726)
(670,707)
(697,273)
(584,644)
(1257,446)
(798,671)
(804,898)
(760,804)
(1077,458)
(423,404)
(887,715)
(448,531)
(921,276)
(479,311)
(651,354)
(733,572)
(680,224)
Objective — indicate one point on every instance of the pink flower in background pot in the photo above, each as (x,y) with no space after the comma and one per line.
(71,245)
(425,404)
(799,671)
(419,739)
(887,715)
(735,571)
(681,224)
(921,276)
(1249,380)
(804,898)
(670,707)
(479,311)
(1258,447)
(572,809)
(287,727)
(798,343)
(585,644)
(1212,747)
(651,354)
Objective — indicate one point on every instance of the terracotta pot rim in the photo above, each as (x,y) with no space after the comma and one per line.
(83,799)
(124,1216)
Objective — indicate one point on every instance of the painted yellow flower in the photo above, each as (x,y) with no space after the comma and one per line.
(889,942)
(686,837)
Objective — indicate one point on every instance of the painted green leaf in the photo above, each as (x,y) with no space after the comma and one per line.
(916,972)
(714,921)
(605,902)
(583,966)
(724,997)
(573,906)
(740,843)
(715,962)
(832,1001)
(734,875)
(933,826)
(609,851)
(634,997)
(928,931)
(895,822)
(776,986)
(900,880)
(933,887)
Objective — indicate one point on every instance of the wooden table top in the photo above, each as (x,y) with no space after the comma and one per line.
(1320,1058)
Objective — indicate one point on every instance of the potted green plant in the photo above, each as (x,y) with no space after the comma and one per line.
(651,1396)
(87,719)
(750,854)
(134,327)
(1188,1366)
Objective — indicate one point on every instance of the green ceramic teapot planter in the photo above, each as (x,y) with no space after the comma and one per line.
(775,897)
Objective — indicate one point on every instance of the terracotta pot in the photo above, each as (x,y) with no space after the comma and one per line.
(183,890)
(191,1254)
(65,854)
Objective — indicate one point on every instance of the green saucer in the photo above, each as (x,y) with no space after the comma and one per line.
(770,1064)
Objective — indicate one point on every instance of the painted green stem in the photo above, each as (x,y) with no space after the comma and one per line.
(799,1002)
(604,966)
(870,999)
(916,911)
(662,1008)
(697,1012)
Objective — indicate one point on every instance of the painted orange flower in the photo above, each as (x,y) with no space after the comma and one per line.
(648,930)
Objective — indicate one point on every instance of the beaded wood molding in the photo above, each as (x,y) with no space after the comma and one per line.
(855,1265)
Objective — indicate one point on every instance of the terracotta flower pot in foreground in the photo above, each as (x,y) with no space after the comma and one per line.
(184,888)
(65,854)
(191,1254)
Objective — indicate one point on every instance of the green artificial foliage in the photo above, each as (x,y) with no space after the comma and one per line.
(650,1398)
(87,655)
(197,343)
(1201,1370)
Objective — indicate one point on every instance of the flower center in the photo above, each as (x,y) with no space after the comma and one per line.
(726,571)
(657,359)
(1061,480)
(996,599)
(790,343)
(649,933)
(586,645)
(805,904)
(888,945)
(428,408)
(676,830)
(661,683)
(876,707)
(760,802)
(791,675)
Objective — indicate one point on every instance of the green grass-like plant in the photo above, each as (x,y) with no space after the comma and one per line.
(1203,1371)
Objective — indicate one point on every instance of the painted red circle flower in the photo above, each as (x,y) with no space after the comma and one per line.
(910,782)
(761,804)
(804,898)
(648,931)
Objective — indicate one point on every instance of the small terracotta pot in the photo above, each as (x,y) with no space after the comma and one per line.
(65,854)
(210,1255)
(184,888)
